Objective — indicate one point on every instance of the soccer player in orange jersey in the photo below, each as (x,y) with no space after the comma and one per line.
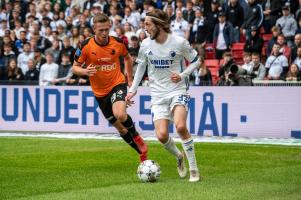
(100,55)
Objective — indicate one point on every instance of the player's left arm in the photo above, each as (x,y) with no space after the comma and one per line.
(191,55)
(128,64)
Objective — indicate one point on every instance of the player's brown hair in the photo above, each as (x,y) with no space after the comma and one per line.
(160,18)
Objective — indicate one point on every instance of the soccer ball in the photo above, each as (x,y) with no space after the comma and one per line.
(148,171)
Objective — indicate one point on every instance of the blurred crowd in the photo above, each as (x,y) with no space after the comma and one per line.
(38,38)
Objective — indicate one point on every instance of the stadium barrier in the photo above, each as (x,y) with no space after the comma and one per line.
(275,83)
(254,112)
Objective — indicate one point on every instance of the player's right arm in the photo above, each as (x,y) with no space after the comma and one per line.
(78,70)
(80,58)
(142,62)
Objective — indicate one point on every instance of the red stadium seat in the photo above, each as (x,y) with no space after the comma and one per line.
(239,46)
(242,38)
(238,56)
(209,51)
(212,63)
(214,79)
(267,37)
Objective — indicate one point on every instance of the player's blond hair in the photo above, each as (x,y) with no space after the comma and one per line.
(100,18)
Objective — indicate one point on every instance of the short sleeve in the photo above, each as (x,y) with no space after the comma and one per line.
(124,49)
(189,53)
(80,54)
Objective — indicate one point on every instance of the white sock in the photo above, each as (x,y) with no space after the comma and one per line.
(188,147)
(172,148)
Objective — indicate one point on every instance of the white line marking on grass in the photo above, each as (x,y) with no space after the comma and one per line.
(114,136)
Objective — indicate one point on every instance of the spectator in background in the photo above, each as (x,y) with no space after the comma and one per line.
(128,17)
(18,28)
(276,63)
(235,15)
(64,71)
(128,31)
(199,30)
(74,37)
(54,50)
(271,12)
(297,60)
(297,44)
(284,49)
(299,26)
(7,55)
(134,44)
(24,57)
(67,48)
(248,64)
(61,32)
(222,36)
(20,42)
(113,15)
(170,13)
(120,33)
(275,31)
(212,17)
(258,71)
(288,25)
(141,27)
(45,25)
(202,75)
(14,17)
(135,14)
(38,58)
(180,26)
(42,42)
(293,74)
(3,27)
(254,17)
(87,32)
(189,13)
(224,70)
(13,72)
(33,73)
(48,71)
(142,35)
(255,42)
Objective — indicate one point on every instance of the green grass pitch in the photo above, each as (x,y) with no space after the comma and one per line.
(44,168)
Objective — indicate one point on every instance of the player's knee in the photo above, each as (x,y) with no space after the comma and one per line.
(121,116)
(181,128)
(162,137)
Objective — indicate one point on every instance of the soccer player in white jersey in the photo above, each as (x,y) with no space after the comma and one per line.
(164,53)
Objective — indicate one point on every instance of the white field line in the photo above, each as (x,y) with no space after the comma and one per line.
(148,137)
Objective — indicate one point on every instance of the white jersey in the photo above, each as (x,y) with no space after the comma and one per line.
(162,60)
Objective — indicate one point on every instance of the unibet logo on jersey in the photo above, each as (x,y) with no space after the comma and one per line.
(161,64)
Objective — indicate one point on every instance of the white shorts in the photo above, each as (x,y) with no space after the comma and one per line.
(163,108)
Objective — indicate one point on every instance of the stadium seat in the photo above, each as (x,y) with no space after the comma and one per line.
(239,46)
(214,79)
(238,52)
(238,57)
(267,37)
(242,38)
(209,51)
(212,63)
